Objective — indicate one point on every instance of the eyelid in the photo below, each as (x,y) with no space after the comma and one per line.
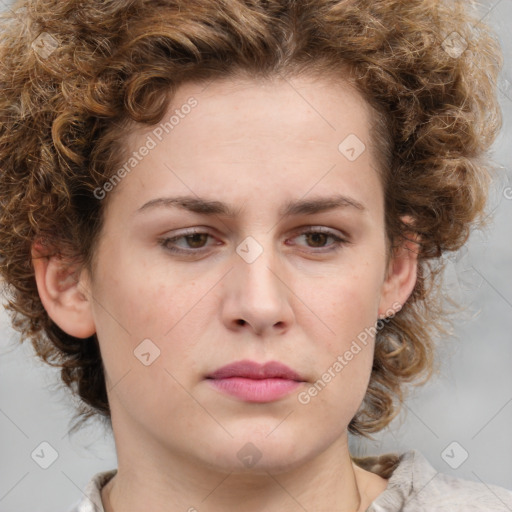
(323,229)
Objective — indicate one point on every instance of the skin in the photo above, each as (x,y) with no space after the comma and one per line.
(254,145)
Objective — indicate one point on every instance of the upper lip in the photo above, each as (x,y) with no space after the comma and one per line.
(252,370)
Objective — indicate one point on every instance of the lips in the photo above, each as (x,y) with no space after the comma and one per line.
(256,371)
(253,382)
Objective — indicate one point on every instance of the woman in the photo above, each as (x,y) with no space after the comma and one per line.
(221,219)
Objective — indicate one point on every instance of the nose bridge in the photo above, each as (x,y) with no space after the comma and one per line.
(257,294)
(255,268)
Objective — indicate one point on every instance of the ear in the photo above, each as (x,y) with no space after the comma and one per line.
(401,274)
(63,290)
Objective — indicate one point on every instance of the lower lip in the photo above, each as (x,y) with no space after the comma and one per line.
(256,390)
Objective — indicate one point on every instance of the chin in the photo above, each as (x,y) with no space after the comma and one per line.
(260,454)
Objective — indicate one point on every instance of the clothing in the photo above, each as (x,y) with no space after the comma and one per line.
(413,486)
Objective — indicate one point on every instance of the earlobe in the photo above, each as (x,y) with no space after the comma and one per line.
(401,275)
(62,293)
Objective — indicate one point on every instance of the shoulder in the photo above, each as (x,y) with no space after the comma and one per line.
(91,502)
(414,486)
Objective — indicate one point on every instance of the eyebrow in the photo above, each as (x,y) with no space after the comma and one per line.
(210,207)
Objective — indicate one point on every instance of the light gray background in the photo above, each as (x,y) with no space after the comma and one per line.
(469,403)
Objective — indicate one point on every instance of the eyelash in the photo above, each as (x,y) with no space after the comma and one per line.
(336,246)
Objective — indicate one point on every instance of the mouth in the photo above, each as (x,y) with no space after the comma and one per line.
(253,382)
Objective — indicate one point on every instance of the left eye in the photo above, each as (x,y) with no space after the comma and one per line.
(318,238)
(196,241)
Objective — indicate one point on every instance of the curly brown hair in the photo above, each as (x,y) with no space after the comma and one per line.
(73,73)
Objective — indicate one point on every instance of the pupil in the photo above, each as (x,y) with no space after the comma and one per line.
(196,237)
(315,237)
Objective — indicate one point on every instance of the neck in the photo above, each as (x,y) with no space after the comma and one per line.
(149,478)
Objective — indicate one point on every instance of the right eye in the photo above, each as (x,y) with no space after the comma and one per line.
(192,242)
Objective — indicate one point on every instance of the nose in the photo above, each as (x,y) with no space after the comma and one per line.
(257,296)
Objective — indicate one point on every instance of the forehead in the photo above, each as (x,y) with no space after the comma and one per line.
(285,107)
(257,136)
(228,109)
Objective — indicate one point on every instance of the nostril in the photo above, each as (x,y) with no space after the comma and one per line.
(240,322)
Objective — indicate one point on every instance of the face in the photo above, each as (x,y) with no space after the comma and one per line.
(251,231)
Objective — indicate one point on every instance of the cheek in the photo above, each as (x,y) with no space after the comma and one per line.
(344,305)
(146,339)
(141,301)
(134,307)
